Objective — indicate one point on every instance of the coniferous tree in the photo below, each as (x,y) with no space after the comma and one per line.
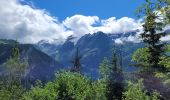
(164,7)
(152,38)
(115,85)
(15,66)
(121,58)
(153,31)
(76,62)
(11,87)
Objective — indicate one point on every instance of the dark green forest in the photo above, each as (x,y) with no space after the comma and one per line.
(150,82)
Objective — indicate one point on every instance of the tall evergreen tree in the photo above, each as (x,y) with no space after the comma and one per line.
(15,66)
(121,57)
(115,85)
(11,87)
(153,32)
(76,62)
(152,38)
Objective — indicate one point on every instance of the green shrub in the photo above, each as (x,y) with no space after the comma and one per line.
(135,91)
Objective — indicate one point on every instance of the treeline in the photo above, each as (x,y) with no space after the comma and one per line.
(113,83)
(71,85)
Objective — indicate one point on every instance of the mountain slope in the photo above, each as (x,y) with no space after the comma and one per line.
(41,66)
(93,48)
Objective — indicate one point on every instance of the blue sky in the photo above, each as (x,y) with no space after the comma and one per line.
(101,8)
(30,21)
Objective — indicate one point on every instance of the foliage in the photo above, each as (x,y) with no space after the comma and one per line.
(165,61)
(77,85)
(99,88)
(153,31)
(114,89)
(161,6)
(41,93)
(76,62)
(15,66)
(152,39)
(112,74)
(105,68)
(135,91)
(67,86)
(74,86)
(115,81)
(168,48)
(165,77)
(10,83)
(166,10)
(140,56)
(12,91)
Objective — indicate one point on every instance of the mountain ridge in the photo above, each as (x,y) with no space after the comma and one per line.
(94,48)
(41,66)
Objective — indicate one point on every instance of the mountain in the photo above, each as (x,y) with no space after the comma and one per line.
(48,47)
(93,48)
(41,66)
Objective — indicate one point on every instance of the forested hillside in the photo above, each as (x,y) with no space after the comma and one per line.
(27,73)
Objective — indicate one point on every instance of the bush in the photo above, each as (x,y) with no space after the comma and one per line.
(135,91)
(67,86)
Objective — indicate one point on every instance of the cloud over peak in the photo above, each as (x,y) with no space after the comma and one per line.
(122,25)
(80,24)
(28,24)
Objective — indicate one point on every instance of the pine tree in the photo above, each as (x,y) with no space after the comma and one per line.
(152,38)
(115,85)
(114,61)
(153,31)
(76,62)
(121,57)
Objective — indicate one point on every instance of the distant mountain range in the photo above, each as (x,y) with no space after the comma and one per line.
(41,65)
(45,58)
(93,48)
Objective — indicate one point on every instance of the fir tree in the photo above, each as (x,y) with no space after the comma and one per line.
(152,38)
(76,62)
(121,57)
(115,85)
(153,31)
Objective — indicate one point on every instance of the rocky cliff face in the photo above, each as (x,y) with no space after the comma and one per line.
(93,48)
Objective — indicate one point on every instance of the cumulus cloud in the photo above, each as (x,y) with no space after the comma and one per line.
(85,24)
(122,25)
(28,24)
(132,39)
(80,24)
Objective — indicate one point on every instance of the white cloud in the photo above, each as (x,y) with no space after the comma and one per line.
(80,24)
(132,39)
(118,41)
(28,25)
(166,38)
(123,25)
